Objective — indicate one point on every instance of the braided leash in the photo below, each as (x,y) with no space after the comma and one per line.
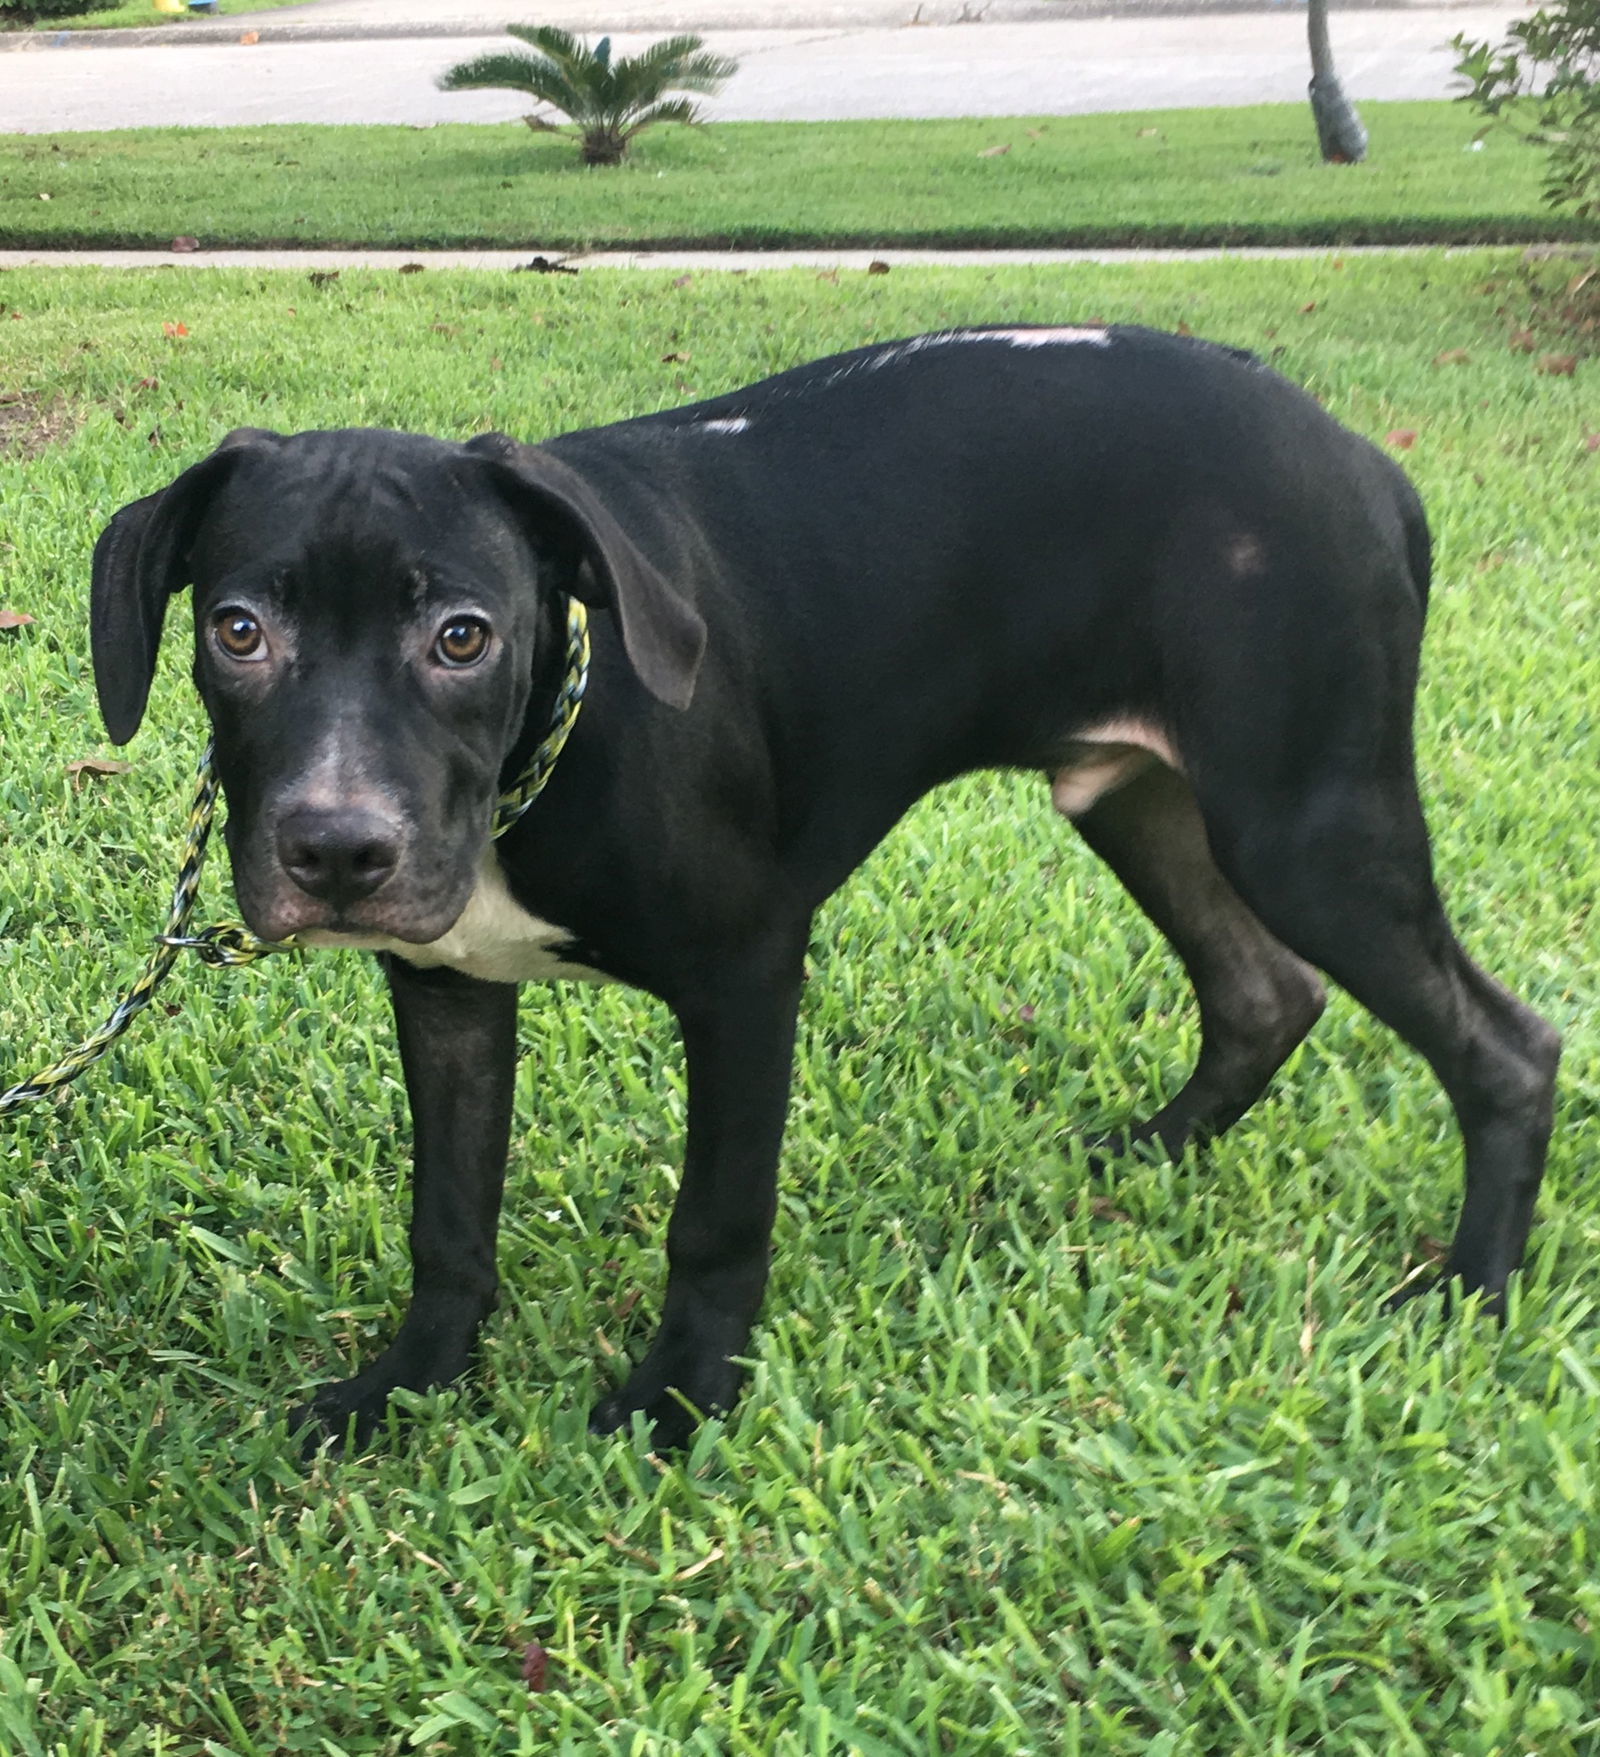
(229,944)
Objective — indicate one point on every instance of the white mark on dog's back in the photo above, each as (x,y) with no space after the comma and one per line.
(1104,757)
(1014,338)
(1041,338)
(723,424)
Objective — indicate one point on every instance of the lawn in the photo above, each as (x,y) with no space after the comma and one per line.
(1161,177)
(138,14)
(1027,1465)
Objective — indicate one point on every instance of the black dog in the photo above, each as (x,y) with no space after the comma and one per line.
(1144,566)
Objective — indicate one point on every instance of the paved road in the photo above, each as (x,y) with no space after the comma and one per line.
(999,69)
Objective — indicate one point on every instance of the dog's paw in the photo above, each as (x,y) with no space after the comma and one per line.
(673,1404)
(338,1418)
(671,1422)
(1446,1292)
(1417,1287)
(1104,1152)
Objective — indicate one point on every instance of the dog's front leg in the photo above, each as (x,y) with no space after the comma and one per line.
(739,1047)
(458,1047)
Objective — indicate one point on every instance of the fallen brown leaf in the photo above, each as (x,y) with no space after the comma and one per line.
(250,37)
(535,1667)
(14,619)
(877,267)
(1556,365)
(684,281)
(182,246)
(174,330)
(96,765)
(1453,357)
(1402,438)
(995,152)
(1522,341)
(682,359)
(410,268)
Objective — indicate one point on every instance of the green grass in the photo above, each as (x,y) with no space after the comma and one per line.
(1163,177)
(1024,1468)
(138,14)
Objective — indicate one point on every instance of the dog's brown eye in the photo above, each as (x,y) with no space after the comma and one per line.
(463,641)
(239,635)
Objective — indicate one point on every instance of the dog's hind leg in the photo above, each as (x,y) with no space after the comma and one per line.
(1341,871)
(1257,999)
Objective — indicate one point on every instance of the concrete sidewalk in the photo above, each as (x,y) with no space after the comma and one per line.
(355,20)
(738,262)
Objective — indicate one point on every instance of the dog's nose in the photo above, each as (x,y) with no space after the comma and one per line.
(338,857)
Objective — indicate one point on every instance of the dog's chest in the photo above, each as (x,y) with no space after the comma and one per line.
(496,939)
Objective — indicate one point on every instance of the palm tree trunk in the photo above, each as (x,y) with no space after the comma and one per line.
(1339,132)
(603,146)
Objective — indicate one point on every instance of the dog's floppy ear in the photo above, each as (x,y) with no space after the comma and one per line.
(663,636)
(141,559)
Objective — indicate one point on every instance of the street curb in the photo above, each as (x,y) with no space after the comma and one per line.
(708,16)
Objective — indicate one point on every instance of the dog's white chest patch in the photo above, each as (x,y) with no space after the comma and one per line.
(494,938)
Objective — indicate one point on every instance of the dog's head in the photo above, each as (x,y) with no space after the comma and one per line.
(371,610)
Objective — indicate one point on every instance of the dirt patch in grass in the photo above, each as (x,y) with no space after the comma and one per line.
(29,424)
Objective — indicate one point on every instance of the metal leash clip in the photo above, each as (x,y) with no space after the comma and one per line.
(226,944)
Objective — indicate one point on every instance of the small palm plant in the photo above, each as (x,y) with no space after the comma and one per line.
(608,101)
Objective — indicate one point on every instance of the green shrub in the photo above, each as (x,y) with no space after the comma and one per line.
(609,101)
(1544,80)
